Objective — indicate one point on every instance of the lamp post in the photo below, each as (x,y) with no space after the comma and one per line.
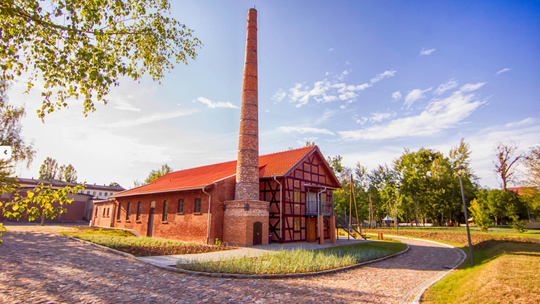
(466,213)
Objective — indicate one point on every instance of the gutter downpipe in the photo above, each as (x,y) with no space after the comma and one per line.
(209,208)
(280,208)
(319,205)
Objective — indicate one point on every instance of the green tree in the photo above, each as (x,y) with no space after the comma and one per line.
(310,143)
(480,213)
(40,202)
(154,174)
(531,192)
(426,177)
(67,174)
(79,47)
(114,184)
(10,130)
(49,169)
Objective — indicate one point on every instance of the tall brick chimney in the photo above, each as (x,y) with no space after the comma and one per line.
(247,170)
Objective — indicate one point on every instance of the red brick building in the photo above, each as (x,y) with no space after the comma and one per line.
(82,205)
(295,199)
(286,194)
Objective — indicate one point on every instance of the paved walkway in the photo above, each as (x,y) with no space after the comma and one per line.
(44,267)
(171,260)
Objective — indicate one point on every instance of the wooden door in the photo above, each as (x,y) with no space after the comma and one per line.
(312,229)
(257,233)
(151,222)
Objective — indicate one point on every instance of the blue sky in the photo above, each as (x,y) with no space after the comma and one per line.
(362,79)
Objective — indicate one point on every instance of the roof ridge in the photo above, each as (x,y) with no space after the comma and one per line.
(198,167)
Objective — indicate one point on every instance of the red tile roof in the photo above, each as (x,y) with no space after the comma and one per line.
(276,164)
(523,190)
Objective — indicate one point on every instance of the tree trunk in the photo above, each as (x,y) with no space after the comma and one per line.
(42,220)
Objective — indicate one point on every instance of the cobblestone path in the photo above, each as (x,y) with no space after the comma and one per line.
(43,267)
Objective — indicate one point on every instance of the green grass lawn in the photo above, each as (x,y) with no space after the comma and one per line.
(300,261)
(505,272)
(141,246)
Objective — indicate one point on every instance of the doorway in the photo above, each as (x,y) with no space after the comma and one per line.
(257,233)
(312,229)
(151,222)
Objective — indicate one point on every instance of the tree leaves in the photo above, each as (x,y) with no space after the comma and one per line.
(40,202)
(81,48)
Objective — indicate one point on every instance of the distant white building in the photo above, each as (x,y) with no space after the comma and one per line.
(83,204)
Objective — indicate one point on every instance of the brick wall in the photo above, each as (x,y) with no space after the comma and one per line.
(238,223)
(187,226)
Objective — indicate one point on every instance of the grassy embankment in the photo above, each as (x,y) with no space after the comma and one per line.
(300,261)
(141,246)
(507,267)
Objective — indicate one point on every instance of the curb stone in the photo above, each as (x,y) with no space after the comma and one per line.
(239,276)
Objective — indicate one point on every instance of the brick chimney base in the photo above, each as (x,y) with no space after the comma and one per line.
(239,219)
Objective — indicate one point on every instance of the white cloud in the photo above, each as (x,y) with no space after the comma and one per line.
(383,75)
(330,90)
(378,117)
(278,96)
(347,63)
(211,104)
(304,130)
(396,96)
(119,102)
(502,71)
(149,119)
(414,95)
(361,120)
(326,114)
(425,52)
(525,121)
(331,49)
(448,85)
(471,87)
(437,116)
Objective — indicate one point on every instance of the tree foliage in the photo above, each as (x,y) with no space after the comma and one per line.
(79,47)
(480,213)
(10,130)
(154,174)
(40,203)
(67,174)
(49,169)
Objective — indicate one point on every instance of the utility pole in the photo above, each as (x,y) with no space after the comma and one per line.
(370,211)
(356,207)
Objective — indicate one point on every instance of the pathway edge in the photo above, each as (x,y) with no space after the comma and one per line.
(238,276)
